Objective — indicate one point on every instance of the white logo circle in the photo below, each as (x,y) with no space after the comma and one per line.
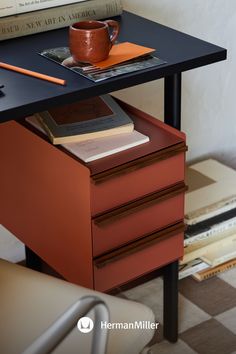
(85,325)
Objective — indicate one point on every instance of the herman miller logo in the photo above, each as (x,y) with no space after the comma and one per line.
(85,324)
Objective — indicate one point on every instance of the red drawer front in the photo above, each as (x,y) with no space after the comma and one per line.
(120,270)
(132,221)
(133,182)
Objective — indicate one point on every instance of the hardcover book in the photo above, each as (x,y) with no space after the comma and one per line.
(91,150)
(48,19)
(210,227)
(208,240)
(225,240)
(15,7)
(92,118)
(212,191)
(218,255)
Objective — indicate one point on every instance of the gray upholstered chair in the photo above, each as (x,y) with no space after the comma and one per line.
(38,310)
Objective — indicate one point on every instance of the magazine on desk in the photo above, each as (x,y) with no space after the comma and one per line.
(61,55)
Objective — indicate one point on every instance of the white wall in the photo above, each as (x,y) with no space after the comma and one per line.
(209,93)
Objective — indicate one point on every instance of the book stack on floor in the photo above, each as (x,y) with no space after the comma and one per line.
(210,217)
(21,18)
(90,129)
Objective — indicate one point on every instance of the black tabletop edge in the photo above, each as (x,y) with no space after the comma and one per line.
(129,13)
(70,94)
(112,85)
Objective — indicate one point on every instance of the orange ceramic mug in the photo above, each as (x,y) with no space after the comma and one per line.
(91,41)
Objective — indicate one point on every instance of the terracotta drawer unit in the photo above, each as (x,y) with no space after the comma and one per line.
(120,178)
(138,258)
(127,184)
(69,212)
(121,225)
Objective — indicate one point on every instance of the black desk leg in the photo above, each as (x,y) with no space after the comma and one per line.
(33,261)
(172,106)
(172,100)
(171,301)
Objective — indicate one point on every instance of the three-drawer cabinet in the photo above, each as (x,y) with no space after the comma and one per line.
(98,224)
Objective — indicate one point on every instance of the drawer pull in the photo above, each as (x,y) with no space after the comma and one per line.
(141,203)
(139,245)
(140,163)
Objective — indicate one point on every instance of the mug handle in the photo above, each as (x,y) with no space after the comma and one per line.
(115,30)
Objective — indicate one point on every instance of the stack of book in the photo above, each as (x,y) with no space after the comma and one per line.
(21,18)
(90,129)
(210,217)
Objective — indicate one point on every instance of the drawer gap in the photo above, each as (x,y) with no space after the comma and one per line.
(139,245)
(139,204)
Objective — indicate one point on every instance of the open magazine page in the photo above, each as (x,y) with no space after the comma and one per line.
(62,56)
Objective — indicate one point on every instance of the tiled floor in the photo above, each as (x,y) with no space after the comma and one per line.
(207,315)
(207,310)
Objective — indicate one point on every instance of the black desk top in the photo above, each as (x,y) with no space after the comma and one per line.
(25,95)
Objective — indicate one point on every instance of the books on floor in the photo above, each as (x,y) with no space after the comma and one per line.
(210,227)
(192,267)
(221,252)
(210,203)
(212,190)
(211,272)
(205,247)
(210,214)
(92,118)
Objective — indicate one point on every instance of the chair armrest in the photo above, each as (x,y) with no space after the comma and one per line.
(52,337)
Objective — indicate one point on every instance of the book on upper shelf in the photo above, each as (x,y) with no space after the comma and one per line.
(212,271)
(15,7)
(90,150)
(62,56)
(212,190)
(57,17)
(92,118)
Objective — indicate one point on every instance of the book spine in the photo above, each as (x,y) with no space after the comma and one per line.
(15,7)
(210,235)
(221,259)
(208,273)
(207,241)
(57,17)
(210,232)
(202,214)
(45,128)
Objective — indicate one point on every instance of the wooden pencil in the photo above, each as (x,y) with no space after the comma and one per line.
(33,73)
